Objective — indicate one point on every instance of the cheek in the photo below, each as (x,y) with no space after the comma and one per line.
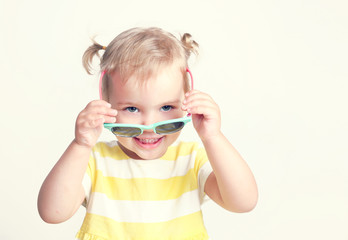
(172,138)
(127,145)
(123,140)
(176,113)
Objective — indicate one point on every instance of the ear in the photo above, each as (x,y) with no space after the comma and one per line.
(101,85)
(188,70)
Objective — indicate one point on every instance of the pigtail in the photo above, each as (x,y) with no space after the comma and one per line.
(89,54)
(189,44)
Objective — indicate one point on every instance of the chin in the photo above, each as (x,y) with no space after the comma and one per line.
(150,151)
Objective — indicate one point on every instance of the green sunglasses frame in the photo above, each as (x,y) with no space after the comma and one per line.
(153,127)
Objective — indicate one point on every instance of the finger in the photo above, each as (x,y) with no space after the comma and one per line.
(197,96)
(207,108)
(196,92)
(107,112)
(192,92)
(103,118)
(93,120)
(109,119)
(98,103)
(209,112)
(199,102)
(90,123)
(101,109)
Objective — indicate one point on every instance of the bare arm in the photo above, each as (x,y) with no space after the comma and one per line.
(231,184)
(62,193)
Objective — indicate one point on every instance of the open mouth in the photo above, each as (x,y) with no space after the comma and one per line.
(148,142)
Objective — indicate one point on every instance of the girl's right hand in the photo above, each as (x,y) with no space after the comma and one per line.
(89,123)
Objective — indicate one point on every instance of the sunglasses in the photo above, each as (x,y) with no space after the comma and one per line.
(133,130)
(161,128)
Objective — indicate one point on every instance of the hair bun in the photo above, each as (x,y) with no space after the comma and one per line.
(189,44)
(89,54)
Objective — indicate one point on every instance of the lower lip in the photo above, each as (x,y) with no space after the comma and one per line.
(149,145)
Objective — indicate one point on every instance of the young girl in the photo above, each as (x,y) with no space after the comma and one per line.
(146,185)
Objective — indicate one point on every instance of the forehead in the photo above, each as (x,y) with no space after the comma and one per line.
(166,84)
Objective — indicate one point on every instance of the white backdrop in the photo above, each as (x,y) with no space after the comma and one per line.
(278,70)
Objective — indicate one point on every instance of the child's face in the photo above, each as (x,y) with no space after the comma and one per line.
(159,98)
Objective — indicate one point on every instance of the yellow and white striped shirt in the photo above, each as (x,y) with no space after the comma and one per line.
(157,199)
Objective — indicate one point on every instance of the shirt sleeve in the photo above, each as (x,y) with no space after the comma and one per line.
(87,179)
(203,169)
(87,185)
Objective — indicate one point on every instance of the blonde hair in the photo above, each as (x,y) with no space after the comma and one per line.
(139,52)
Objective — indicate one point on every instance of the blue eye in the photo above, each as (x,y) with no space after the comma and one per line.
(166,108)
(132,109)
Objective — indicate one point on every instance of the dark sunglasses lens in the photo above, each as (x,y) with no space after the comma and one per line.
(126,131)
(169,127)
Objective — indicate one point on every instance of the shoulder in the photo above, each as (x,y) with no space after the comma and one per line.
(105,145)
(187,146)
(189,149)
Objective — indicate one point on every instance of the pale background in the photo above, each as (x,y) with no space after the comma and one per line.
(278,70)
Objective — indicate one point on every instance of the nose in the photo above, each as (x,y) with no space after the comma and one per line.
(149,119)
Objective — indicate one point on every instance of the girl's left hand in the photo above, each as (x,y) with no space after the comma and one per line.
(205,112)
